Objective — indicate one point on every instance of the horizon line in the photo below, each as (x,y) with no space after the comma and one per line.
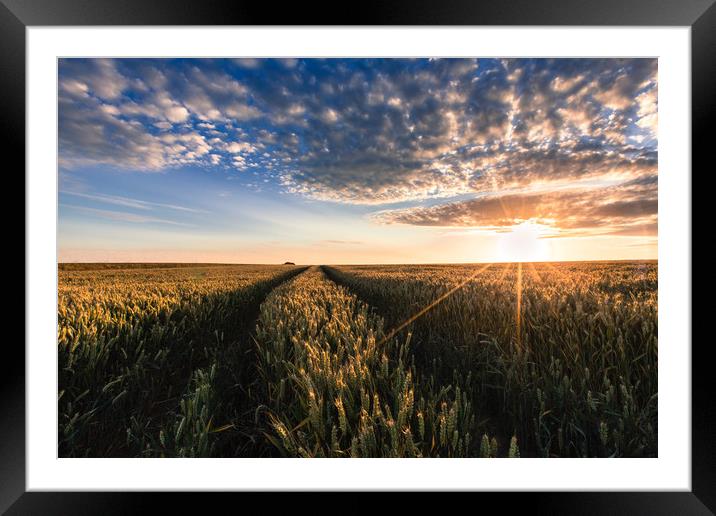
(355,263)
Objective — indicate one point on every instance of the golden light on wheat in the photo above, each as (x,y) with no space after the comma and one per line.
(511,360)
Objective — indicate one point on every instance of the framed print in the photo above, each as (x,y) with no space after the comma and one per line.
(433,250)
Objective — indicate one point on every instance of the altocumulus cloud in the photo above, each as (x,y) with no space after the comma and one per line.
(382,131)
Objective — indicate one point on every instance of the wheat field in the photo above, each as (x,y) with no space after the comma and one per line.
(495,360)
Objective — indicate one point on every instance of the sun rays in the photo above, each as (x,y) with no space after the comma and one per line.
(505,269)
(433,304)
(518,313)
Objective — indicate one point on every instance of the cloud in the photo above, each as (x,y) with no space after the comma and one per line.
(100,76)
(177,114)
(91,135)
(74,87)
(122,216)
(129,202)
(342,242)
(648,111)
(289,62)
(237,147)
(628,208)
(367,131)
(329,116)
(248,62)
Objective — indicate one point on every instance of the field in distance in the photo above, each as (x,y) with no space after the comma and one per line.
(90,266)
(480,360)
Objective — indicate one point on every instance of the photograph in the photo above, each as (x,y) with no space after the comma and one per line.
(357,257)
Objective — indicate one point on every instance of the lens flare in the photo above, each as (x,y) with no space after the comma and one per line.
(524,243)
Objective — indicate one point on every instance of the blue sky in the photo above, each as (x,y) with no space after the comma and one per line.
(357,160)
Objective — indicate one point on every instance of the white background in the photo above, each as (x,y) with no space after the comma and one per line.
(671,470)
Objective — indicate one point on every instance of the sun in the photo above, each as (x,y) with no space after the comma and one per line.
(523,243)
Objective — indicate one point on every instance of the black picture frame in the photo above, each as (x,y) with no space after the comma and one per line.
(700,15)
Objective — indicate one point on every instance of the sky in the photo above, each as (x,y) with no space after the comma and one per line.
(357,160)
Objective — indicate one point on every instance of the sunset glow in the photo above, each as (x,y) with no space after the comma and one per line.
(357,160)
(523,243)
